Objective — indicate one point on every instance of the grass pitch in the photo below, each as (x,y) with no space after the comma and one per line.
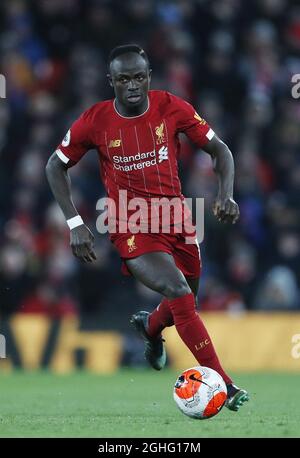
(139,403)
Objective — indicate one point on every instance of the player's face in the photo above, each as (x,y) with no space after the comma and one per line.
(130,78)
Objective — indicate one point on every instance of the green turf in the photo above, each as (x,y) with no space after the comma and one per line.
(139,403)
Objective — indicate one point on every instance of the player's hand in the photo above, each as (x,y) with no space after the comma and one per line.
(82,243)
(226,210)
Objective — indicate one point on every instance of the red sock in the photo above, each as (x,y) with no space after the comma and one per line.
(194,334)
(160,318)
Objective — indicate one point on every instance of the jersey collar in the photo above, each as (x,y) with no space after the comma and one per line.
(132,117)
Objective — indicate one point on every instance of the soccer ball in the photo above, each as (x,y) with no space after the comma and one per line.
(200,392)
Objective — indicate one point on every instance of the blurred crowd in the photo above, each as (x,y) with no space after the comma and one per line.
(233,60)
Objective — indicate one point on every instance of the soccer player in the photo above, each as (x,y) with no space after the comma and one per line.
(136,137)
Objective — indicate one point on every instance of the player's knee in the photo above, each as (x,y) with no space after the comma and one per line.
(177,289)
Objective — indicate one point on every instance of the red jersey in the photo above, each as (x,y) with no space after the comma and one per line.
(138,154)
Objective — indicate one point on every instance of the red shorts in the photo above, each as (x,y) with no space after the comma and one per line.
(186,256)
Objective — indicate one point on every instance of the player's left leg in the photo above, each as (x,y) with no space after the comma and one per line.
(162,317)
(235,397)
(189,261)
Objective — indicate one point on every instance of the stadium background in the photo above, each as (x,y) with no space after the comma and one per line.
(234,61)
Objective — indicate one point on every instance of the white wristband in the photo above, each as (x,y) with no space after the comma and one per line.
(75,221)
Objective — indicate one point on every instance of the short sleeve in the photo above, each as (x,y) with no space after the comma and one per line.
(77,141)
(191,123)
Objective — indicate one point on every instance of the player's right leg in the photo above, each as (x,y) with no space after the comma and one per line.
(151,325)
(155,352)
(145,268)
(188,259)
(158,271)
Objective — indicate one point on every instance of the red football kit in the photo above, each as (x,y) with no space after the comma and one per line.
(138,156)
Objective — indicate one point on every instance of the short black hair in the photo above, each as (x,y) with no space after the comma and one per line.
(124,49)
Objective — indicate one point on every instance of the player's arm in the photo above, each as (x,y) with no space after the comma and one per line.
(200,133)
(224,208)
(68,153)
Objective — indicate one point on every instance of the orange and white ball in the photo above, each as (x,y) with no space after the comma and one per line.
(200,392)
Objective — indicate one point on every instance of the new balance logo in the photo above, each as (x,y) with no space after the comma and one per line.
(163,154)
(114,143)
